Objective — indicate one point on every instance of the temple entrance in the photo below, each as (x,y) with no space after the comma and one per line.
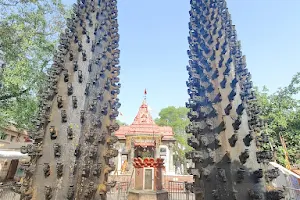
(144,151)
(12,169)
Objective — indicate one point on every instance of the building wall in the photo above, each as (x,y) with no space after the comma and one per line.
(12,135)
(121,145)
(169,161)
(4,166)
(165,155)
(287,179)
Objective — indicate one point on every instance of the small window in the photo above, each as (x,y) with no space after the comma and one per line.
(12,138)
(2,135)
(163,150)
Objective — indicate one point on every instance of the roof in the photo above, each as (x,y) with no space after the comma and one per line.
(8,146)
(143,124)
(13,155)
(296,171)
(12,128)
(285,170)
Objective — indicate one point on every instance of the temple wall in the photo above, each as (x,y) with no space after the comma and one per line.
(169,162)
(164,150)
(165,155)
(4,166)
(10,138)
(118,160)
(12,135)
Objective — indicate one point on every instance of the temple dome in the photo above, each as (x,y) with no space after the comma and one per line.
(144,124)
(143,116)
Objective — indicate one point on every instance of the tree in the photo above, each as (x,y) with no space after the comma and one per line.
(29,34)
(176,117)
(121,123)
(281,112)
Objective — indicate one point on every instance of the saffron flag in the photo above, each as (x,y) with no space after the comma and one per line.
(145,92)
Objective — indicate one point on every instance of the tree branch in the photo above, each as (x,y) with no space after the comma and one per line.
(9,96)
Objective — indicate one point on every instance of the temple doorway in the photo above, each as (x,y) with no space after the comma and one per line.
(144,151)
(12,169)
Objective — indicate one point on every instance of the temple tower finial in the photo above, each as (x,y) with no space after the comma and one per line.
(145,94)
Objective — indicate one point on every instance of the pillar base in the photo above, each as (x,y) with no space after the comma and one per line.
(148,195)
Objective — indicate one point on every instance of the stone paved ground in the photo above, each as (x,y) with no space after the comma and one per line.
(172,196)
(10,195)
(6,194)
(181,196)
(115,194)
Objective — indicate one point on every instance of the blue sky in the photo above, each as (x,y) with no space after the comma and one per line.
(153,44)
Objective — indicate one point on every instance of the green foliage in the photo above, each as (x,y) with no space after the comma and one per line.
(174,117)
(281,112)
(121,123)
(177,119)
(29,33)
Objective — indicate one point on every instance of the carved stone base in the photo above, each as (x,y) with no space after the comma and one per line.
(148,195)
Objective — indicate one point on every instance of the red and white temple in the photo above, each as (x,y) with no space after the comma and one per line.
(143,138)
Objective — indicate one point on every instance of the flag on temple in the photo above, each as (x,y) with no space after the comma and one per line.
(145,92)
(121,114)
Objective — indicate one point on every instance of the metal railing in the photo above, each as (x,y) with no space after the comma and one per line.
(119,192)
(177,191)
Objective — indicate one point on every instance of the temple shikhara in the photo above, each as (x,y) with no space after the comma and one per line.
(143,138)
